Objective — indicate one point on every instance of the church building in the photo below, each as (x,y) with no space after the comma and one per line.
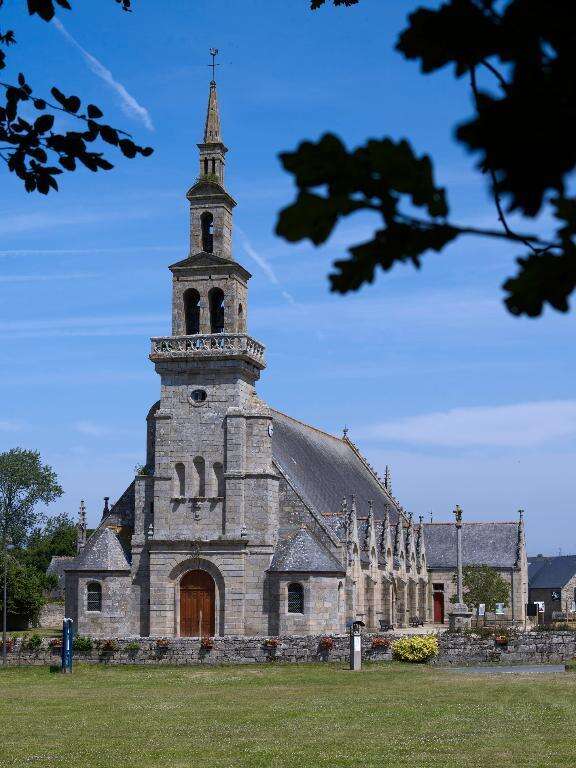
(243,521)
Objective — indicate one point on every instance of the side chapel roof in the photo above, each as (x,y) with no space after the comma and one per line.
(483,543)
(302,552)
(103,552)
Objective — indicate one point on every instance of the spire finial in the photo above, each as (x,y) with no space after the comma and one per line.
(214,52)
(81,528)
(388,479)
(345,431)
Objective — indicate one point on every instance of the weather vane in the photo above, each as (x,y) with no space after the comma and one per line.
(214,52)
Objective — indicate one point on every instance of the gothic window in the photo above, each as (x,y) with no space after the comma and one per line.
(192,311)
(94,597)
(340,601)
(218,471)
(240,317)
(180,480)
(200,470)
(205,166)
(216,299)
(295,598)
(214,166)
(207,223)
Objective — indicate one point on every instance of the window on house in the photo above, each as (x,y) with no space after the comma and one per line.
(94,597)
(192,311)
(216,299)
(295,598)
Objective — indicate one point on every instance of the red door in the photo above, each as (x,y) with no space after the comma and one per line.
(438,608)
(197,598)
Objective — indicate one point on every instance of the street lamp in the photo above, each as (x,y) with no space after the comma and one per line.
(7,545)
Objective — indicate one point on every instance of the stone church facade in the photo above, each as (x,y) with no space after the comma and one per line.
(243,521)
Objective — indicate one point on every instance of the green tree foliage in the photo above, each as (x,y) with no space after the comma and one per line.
(24,484)
(56,539)
(26,590)
(518,58)
(30,145)
(483,585)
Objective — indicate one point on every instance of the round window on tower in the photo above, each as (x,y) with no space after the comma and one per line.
(198,397)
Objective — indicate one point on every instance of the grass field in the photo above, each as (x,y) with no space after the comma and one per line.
(318,716)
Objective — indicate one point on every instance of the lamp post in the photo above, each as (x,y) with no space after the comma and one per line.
(460,616)
(6,545)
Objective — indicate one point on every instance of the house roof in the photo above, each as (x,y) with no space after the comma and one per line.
(483,543)
(551,572)
(103,552)
(302,552)
(324,469)
(58,565)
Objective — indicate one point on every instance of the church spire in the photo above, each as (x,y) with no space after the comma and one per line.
(212,131)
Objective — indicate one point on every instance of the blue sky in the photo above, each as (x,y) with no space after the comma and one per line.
(467,404)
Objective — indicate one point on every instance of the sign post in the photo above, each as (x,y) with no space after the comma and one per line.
(355,645)
(67,638)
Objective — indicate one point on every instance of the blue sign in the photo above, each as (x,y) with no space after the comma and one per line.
(67,639)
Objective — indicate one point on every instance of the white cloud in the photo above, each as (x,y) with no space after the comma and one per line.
(44,278)
(519,425)
(128,103)
(91,429)
(10,425)
(115,325)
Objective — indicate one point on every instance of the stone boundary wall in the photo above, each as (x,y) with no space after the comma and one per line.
(527,647)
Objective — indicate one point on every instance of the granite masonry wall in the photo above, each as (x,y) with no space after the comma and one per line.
(527,647)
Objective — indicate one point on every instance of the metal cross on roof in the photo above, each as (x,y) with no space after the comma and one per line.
(214,52)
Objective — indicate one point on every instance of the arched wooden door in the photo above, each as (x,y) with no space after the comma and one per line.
(197,604)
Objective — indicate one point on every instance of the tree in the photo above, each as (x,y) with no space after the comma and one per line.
(26,589)
(483,585)
(519,58)
(31,148)
(24,484)
(56,539)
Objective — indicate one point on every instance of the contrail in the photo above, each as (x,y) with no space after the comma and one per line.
(129,104)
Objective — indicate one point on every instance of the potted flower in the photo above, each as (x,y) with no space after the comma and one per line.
(207,643)
(501,639)
(162,643)
(56,645)
(326,643)
(9,645)
(108,647)
(271,643)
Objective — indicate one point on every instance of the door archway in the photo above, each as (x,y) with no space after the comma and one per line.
(197,604)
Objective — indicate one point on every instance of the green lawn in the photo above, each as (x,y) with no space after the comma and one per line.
(317,716)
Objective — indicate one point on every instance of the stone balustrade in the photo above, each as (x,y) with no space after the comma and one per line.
(210,345)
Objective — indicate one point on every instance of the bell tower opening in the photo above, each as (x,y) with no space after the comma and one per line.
(192,311)
(216,299)
(207,221)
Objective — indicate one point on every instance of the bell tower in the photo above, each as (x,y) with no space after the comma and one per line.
(212,498)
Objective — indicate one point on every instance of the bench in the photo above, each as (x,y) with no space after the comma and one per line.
(385,626)
(416,621)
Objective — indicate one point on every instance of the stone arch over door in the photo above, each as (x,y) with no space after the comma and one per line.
(177,576)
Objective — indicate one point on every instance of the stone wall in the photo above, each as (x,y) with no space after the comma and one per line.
(527,647)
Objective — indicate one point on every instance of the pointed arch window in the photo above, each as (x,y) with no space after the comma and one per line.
(207,223)
(216,300)
(192,311)
(94,597)
(200,470)
(205,166)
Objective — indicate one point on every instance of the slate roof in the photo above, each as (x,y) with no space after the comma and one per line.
(57,566)
(122,512)
(103,552)
(494,544)
(551,572)
(324,469)
(302,552)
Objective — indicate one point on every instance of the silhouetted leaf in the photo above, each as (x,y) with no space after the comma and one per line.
(44,123)
(542,279)
(94,112)
(109,134)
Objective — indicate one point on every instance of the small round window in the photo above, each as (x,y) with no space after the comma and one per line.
(198,396)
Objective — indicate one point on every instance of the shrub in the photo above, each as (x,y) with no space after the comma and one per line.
(416,649)
(33,643)
(82,644)
(132,646)
(108,646)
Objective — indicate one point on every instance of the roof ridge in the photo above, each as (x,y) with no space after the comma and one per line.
(476,522)
(365,462)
